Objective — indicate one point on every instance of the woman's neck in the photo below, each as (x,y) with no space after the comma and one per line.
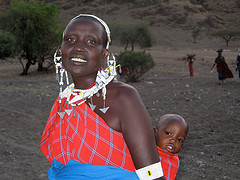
(83,82)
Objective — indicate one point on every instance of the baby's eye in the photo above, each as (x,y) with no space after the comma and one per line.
(180,140)
(90,41)
(167,133)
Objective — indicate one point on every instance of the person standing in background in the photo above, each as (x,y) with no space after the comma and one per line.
(222,67)
(237,64)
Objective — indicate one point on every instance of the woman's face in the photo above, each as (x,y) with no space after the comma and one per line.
(82,48)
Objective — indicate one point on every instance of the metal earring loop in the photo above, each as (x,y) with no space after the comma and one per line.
(57,56)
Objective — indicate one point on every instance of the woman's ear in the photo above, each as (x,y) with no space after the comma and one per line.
(106,52)
(155,130)
(59,50)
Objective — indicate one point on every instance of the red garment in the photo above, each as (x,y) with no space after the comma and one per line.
(170,163)
(83,136)
(190,64)
(190,59)
(222,68)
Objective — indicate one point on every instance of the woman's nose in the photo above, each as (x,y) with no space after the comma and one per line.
(79,46)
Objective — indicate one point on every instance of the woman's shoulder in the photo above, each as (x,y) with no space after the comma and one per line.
(124,95)
(121,89)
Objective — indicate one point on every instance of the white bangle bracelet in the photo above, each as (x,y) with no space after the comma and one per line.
(150,172)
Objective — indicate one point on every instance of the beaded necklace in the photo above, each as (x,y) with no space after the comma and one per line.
(103,78)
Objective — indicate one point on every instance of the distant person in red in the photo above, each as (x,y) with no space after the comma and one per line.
(222,67)
(190,59)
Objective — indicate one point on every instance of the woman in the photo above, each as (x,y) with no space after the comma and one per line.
(222,67)
(97,120)
(238,64)
(190,59)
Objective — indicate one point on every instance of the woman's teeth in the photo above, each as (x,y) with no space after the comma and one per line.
(78,60)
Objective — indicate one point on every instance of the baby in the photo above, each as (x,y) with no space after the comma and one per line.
(170,132)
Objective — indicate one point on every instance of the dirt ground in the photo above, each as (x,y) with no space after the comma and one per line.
(211,150)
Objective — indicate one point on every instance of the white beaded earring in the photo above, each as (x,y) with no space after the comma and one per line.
(60,70)
(111,64)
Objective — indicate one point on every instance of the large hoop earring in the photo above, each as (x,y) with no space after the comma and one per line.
(60,71)
(58,62)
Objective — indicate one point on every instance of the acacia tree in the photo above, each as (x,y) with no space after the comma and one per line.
(130,34)
(227,35)
(36,28)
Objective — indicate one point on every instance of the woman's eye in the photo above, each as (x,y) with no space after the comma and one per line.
(70,39)
(90,41)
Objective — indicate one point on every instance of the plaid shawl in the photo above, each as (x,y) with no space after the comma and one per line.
(83,136)
(170,163)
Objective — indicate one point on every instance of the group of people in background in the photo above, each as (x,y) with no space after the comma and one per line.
(222,68)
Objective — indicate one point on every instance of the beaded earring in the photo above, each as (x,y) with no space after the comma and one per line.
(111,64)
(60,71)
(58,63)
(111,67)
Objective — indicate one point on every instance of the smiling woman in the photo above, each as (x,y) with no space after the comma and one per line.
(97,120)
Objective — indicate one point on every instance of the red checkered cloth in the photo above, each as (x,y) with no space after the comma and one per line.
(170,163)
(83,136)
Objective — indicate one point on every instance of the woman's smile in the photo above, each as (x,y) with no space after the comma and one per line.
(78,60)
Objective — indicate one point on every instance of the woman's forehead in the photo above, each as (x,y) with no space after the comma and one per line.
(83,23)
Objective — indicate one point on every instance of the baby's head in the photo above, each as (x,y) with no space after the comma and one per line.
(170,132)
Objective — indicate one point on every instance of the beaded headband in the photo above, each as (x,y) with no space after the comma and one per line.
(100,21)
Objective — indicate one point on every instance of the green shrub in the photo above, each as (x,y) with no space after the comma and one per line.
(137,63)
(8,44)
(36,27)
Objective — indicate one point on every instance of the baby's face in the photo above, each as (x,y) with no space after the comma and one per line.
(170,135)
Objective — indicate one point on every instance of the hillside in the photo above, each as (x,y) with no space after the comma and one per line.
(171,21)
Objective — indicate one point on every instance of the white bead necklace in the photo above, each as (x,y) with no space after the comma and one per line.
(103,78)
